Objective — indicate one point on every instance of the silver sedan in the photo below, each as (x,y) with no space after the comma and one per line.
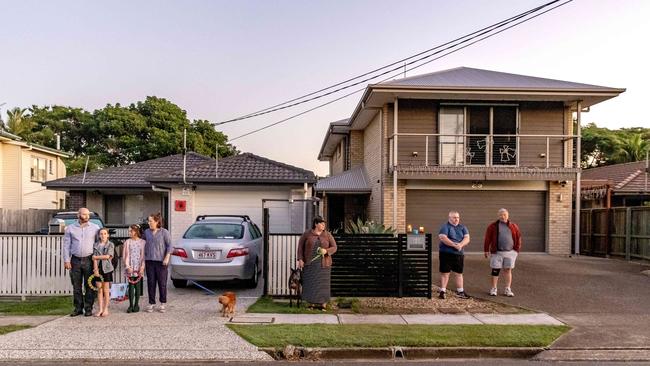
(218,248)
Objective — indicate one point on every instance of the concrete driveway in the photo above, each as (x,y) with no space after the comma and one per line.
(190,330)
(606,301)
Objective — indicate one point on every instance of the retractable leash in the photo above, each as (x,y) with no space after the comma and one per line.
(209,292)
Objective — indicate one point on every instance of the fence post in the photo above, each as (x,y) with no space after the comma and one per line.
(265,226)
(400,240)
(628,232)
(429,246)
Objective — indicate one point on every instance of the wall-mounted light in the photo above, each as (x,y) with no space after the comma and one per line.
(477,184)
(542,155)
(562,183)
(414,154)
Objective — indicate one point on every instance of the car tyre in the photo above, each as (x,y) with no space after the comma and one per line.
(253,281)
(179,283)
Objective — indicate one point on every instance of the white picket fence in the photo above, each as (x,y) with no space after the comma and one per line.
(282,257)
(32,265)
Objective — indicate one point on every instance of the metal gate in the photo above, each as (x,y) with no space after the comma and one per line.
(283,221)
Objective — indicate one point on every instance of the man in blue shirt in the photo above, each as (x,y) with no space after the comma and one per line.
(78,243)
(453,238)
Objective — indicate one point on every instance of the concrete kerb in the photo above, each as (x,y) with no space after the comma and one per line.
(399,353)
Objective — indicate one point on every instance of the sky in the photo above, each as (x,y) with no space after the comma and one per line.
(223,59)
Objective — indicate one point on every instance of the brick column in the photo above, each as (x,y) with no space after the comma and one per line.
(181,220)
(559,218)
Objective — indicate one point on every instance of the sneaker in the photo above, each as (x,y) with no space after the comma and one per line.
(508,292)
(462,294)
(441,295)
(149,308)
(493,291)
(161,308)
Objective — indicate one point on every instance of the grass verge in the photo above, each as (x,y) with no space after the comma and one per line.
(55,305)
(268,305)
(368,335)
(4,329)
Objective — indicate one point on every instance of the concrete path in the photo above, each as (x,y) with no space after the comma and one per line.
(427,319)
(191,329)
(26,320)
(606,301)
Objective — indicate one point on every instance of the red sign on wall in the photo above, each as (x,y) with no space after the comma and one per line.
(180,205)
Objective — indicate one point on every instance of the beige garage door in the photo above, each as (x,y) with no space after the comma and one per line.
(477,209)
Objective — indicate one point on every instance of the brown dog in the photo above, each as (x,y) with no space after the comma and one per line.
(228,301)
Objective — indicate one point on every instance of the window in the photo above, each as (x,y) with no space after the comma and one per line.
(37,171)
(51,169)
(452,142)
(214,231)
(490,137)
(114,209)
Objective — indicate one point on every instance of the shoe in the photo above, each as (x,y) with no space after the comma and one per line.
(149,308)
(76,313)
(161,308)
(493,291)
(130,309)
(441,295)
(88,313)
(508,292)
(462,294)
(136,309)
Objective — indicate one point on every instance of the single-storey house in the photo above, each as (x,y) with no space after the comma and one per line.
(235,185)
(618,185)
(463,139)
(23,167)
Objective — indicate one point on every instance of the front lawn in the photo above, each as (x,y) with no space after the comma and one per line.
(268,305)
(4,329)
(55,305)
(369,335)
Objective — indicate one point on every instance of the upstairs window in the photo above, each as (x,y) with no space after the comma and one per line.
(38,169)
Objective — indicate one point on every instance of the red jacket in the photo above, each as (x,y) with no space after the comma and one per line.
(492,235)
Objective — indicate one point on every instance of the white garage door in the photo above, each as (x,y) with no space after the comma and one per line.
(245,202)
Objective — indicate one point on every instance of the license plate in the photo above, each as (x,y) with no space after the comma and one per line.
(207,254)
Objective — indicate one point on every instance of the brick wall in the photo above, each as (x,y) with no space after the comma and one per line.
(181,220)
(560,218)
(76,200)
(356,148)
(372,161)
(401,205)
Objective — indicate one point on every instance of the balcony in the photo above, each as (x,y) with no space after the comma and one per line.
(483,156)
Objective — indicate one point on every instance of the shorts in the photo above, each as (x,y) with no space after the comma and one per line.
(450,262)
(503,259)
(108,277)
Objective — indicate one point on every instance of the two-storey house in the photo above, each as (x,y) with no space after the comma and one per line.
(24,167)
(463,139)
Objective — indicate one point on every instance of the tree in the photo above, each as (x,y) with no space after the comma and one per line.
(631,148)
(18,122)
(117,135)
(598,146)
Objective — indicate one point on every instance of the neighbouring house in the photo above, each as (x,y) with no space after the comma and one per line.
(234,185)
(463,139)
(618,185)
(25,166)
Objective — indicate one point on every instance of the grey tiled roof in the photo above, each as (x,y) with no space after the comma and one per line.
(467,77)
(242,168)
(128,176)
(353,180)
(627,177)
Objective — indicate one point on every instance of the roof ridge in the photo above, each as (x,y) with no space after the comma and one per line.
(284,165)
(627,180)
(428,74)
(614,165)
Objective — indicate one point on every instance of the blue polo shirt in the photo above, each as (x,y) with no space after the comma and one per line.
(455,234)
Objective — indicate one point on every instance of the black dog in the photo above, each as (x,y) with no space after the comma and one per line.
(295,286)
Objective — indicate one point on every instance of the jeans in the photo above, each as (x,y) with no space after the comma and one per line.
(82,268)
(156,275)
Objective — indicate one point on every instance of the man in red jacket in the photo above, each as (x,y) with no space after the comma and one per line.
(502,244)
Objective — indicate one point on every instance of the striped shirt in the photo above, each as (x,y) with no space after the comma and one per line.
(79,240)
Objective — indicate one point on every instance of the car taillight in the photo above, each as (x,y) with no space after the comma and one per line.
(237,252)
(180,252)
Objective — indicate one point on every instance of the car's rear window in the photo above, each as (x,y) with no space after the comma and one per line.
(71,221)
(215,231)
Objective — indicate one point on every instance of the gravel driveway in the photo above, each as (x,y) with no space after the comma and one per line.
(191,329)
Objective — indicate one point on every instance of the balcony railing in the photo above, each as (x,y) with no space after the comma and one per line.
(481,150)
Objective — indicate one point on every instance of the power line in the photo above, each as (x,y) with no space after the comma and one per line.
(396,75)
(454,43)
